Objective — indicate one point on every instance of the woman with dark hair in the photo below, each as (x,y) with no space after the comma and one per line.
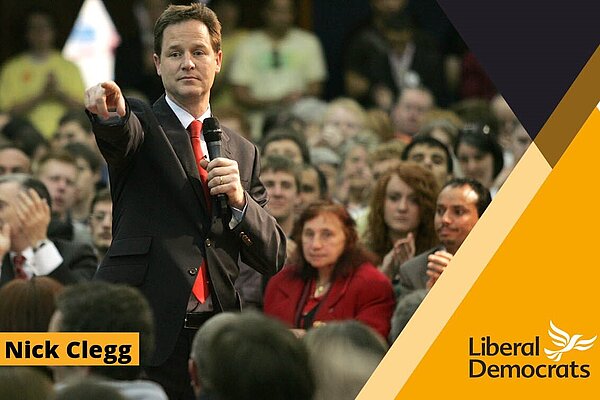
(400,221)
(333,277)
(479,154)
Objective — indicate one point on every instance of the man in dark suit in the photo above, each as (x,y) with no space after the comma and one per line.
(460,204)
(25,249)
(166,239)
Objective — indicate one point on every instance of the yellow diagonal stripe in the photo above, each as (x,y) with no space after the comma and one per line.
(454,284)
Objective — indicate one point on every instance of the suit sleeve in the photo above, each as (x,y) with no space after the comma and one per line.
(119,138)
(263,241)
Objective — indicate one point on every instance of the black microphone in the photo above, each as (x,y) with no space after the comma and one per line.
(212,136)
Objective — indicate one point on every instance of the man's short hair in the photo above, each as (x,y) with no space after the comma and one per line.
(177,14)
(78,116)
(80,150)
(61,155)
(429,142)
(101,195)
(105,307)
(251,356)
(484,197)
(280,133)
(276,163)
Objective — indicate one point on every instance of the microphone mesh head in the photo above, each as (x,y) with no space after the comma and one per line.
(211,129)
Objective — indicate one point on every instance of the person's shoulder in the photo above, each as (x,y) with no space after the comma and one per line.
(301,34)
(368,271)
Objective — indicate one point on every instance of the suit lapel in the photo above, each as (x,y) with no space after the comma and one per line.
(180,141)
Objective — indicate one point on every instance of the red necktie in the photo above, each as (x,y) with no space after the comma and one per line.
(200,288)
(18,263)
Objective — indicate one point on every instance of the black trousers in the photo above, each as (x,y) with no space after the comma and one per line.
(173,374)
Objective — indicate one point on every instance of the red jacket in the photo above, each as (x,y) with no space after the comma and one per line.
(366,295)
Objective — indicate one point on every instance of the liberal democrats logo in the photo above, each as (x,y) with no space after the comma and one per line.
(493,358)
(566,343)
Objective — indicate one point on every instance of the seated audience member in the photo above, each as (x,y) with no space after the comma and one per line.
(278,63)
(24,383)
(88,389)
(25,136)
(355,178)
(27,306)
(88,176)
(400,221)
(234,119)
(249,356)
(313,187)
(413,58)
(431,154)
(328,162)
(517,143)
(74,127)
(479,155)
(13,160)
(286,143)
(459,206)
(386,156)
(404,311)
(409,112)
(101,223)
(332,278)
(442,125)
(281,177)
(343,356)
(310,110)
(343,120)
(25,249)
(40,84)
(58,171)
(105,307)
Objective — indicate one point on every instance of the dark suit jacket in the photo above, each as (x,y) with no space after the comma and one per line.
(161,228)
(79,264)
(413,273)
(365,295)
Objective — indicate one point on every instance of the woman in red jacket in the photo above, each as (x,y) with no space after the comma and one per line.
(333,278)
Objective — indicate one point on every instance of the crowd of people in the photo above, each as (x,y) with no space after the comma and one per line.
(326,222)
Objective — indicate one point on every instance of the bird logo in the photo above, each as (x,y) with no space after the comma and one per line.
(566,343)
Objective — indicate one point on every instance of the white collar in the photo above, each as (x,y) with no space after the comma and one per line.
(183,116)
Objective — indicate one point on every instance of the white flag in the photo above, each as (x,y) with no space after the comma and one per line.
(92,43)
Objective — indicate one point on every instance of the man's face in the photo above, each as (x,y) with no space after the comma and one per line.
(61,180)
(410,110)
(187,63)
(476,164)
(70,132)
(13,161)
(101,225)
(279,16)
(309,187)
(86,180)
(282,191)
(455,215)
(432,158)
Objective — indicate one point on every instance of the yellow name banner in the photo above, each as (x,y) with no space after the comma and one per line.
(70,348)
